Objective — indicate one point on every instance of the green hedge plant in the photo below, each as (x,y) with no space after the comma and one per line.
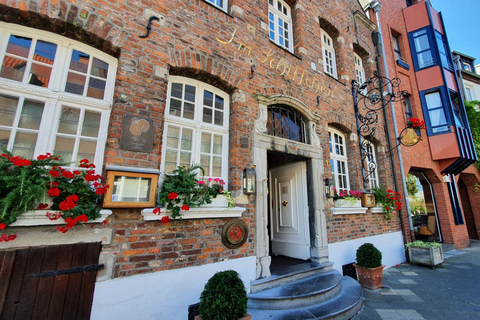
(368,256)
(224,297)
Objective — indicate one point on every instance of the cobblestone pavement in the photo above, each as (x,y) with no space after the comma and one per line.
(450,291)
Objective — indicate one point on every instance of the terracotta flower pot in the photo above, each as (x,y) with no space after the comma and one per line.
(370,278)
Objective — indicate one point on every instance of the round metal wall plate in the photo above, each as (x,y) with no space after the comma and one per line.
(234,233)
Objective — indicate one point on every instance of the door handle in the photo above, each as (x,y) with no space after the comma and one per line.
(285,203)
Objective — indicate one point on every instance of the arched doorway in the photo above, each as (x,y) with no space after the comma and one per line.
(423,208)
(290,191)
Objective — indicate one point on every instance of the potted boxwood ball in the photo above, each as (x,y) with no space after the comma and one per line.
(369,266)
(224,298)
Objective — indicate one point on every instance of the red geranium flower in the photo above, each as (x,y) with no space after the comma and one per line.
(54,173)
(2,226)
(165,219)
(21,162)
(68,174)
(53,192)
(185,207)
(156,211)
(172,195)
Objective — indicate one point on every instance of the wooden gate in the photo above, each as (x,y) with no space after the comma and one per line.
(52,282)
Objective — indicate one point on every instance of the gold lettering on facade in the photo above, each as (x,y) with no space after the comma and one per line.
(233,34)
(243,47)
(281,66)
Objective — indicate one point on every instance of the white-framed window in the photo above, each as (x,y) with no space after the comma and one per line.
(196,127)
(329,62)
(359,71)
(396,47)
(222,4)
(55,95)
(280,24)
(468,93)
(371,163)
(338,159)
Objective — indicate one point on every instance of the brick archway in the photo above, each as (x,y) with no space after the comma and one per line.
(67,20)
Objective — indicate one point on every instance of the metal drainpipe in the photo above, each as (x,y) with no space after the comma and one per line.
(376,5)
(458,68)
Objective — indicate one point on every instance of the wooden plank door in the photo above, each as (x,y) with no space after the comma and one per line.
(50,282)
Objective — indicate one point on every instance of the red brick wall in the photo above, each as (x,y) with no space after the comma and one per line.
(184,43)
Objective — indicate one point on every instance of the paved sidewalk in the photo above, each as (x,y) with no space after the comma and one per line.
(451,291)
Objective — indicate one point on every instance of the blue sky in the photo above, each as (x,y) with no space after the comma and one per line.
(462,21)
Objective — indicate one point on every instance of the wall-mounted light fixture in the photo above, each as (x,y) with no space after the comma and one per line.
(329,192)
(249,180)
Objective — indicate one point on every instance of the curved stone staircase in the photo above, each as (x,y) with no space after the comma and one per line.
(318,292)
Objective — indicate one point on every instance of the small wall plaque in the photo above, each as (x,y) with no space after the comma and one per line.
(137,134)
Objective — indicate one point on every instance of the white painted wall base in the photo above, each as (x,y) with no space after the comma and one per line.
(161,295)
(390,245)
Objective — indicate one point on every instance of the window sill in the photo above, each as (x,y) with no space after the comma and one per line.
(376,210)
(286,50)
(403,64)
(197,213)
(39,218)
(348,207)
(218,8)
(351,210)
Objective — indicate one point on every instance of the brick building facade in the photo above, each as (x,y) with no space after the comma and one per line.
(434,160)
(259,63)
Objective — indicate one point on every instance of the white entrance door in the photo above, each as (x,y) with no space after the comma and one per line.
(289,231)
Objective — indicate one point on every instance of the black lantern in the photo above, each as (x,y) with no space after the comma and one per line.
(249,180)
(329,192)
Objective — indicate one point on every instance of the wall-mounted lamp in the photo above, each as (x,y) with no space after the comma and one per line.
(329,192)
(249,180)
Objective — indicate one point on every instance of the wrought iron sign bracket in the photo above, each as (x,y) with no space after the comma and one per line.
(369,98)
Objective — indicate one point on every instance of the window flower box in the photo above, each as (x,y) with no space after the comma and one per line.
(348,206)
(39,218)
(348,203)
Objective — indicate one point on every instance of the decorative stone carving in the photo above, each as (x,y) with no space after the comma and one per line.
(314,139)
(261,122)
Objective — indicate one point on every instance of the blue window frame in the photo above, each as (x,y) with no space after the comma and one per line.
(454,200)
(458,115)
(422,47)
(434,103)
(443,51)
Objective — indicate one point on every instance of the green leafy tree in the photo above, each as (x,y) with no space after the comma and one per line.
(473,114)
(411,184)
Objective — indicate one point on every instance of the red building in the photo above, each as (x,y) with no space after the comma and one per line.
(418,54)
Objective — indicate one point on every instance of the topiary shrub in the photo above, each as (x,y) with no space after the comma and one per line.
(224,297)
(368,256)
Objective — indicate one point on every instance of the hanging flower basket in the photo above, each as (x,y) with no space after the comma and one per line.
(416,123)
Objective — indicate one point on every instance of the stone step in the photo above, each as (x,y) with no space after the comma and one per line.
(301,293)
(288,275)
(345,305)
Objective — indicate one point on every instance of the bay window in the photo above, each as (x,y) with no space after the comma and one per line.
(422,49)
(435,112)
